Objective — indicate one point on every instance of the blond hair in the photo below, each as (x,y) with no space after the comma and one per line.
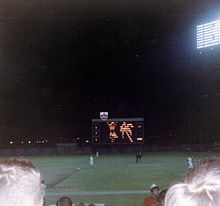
(201,187)
(19,183)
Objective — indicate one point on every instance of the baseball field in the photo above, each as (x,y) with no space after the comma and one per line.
(114,179)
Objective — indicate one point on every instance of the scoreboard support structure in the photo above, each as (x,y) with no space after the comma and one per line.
(118,131)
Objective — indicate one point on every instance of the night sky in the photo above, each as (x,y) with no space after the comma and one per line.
(62,62)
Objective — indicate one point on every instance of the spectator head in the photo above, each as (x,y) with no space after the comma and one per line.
(161,197)
(80,204)
(64,201)
(20,183)
(201,187)
(154,190)
(91,204)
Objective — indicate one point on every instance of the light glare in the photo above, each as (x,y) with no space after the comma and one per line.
(208,34)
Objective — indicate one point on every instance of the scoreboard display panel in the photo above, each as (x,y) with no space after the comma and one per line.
(118,131)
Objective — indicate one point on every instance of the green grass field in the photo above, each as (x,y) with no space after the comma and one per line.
(114,178)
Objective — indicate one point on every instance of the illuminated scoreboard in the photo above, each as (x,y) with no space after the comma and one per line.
(208,34)
(118,131)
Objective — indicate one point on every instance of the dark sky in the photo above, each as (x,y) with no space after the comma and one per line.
(62,62)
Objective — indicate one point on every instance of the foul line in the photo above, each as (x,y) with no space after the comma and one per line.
(121,192)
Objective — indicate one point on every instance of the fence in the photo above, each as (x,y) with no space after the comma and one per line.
(73,149)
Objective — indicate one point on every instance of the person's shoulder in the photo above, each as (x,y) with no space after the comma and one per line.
(148,198)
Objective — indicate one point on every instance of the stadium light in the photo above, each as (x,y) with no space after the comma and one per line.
(208,34)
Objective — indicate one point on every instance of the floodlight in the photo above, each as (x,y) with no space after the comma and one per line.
(208,34)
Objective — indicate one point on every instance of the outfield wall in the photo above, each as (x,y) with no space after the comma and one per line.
(60,149)
(72,149)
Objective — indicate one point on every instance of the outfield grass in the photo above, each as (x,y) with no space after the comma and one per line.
(111,173)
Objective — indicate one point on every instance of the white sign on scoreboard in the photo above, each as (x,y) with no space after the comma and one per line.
(208,34)
(104,115)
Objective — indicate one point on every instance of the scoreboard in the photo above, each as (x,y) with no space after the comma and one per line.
(118,131)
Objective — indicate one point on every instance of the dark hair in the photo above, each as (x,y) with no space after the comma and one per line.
(91,204)
(161,197)
(64,201)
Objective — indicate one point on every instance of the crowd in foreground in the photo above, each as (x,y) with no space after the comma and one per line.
(66,201)
(20,185)
(156,198)
(200,187)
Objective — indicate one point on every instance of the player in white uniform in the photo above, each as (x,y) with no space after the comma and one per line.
(91,163)
(43,189)
(190,162)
